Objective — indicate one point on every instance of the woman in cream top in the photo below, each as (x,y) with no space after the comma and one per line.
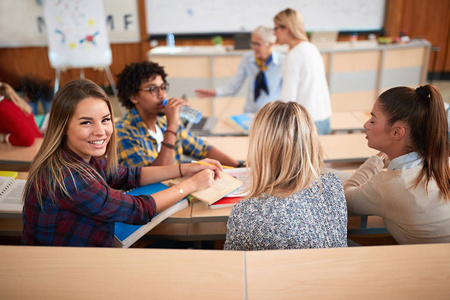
(409,127)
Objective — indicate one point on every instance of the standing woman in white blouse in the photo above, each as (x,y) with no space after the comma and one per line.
(304,79)
(409,126)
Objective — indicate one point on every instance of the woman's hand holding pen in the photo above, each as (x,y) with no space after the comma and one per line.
(202,175)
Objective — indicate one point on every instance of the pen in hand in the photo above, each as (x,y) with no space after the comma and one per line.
(208,164)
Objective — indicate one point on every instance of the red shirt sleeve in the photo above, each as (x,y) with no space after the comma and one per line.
(22,128)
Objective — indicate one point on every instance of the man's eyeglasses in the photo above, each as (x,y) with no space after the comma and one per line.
(154,90)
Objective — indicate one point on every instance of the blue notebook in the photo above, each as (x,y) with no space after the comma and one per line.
(127,234)
(241,122)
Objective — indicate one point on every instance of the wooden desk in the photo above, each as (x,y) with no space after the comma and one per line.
(346,147)
(387,272)
(93,273)
(336,147)
(14,158)
(362,116)
(346,121)
(339,122)
(201,213)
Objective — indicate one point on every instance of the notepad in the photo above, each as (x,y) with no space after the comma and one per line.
(241,122)
(126,235)
(220,188)
(242,174)
(11,192)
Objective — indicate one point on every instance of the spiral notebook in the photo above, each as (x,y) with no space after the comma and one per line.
(11,193)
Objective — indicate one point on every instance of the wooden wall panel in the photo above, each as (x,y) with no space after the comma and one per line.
(423,19)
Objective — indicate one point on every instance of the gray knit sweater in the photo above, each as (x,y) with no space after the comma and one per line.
(310,218)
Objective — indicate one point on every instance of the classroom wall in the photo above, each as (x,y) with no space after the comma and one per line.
(419,19)
(423,19)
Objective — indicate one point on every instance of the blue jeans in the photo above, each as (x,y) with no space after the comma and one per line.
(323,127)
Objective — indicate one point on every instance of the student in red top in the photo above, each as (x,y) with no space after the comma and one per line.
(17,125)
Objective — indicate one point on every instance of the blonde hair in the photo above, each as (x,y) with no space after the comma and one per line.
(52,160)
(9,93)
(266,33)
(284,155)
(294,20)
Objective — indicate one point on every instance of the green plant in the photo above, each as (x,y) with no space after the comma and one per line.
(217,40)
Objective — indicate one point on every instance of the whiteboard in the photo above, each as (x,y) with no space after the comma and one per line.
(22,22)
(232,16)
(76,32)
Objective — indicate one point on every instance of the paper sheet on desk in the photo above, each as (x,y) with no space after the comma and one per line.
(242,174)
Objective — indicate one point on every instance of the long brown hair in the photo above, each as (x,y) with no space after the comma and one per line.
(284,155)
(52,160)
(423,111)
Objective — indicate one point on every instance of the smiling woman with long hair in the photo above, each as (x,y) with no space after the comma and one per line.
(409,127)
(72,195)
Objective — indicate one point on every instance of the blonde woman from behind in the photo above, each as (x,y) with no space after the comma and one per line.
(290,204)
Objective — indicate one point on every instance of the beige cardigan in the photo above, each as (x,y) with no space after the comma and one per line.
(410,215)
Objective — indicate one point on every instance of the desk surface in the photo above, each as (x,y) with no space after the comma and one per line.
(336,147)
(348,121)
(14,158)
(339,122)
(346,147)
(89,273)
(387,272)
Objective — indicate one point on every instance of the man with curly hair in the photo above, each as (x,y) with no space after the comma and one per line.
(150,133)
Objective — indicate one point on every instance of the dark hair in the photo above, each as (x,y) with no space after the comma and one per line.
(132,77)
(34,87)
(423,111)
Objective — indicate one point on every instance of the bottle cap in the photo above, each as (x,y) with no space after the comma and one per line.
(165,102)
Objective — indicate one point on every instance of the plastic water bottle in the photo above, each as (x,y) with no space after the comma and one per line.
(170,40)
(188,113)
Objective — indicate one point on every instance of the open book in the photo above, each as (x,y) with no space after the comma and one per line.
(126,234)
(237,195)
(221,187)
(11,193)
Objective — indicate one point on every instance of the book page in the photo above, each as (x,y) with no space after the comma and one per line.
(221,187)
(11,198)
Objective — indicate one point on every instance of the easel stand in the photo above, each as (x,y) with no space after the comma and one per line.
(108,75)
